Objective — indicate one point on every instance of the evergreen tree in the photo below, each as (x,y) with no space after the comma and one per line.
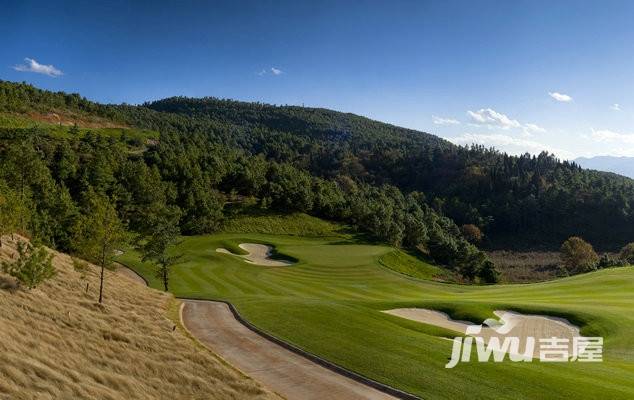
(33,265)
(99,234)
(164,235)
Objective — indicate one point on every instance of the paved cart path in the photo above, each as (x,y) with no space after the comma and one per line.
(277,368)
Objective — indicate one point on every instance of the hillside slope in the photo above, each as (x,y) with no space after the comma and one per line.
(525,201)
(57,343)
(518,202)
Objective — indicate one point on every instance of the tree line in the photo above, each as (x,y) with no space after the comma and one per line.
(60,190)
(518,202)
(403,187)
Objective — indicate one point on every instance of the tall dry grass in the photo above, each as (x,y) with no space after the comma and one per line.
(524,267)
(57,343)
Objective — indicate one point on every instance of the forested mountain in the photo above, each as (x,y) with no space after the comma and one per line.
(51,175)
(402,186)
(524,201)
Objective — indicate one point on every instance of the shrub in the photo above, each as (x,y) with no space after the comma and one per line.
(578,255)
(488,273)
(609,260)
(472,233)
(33,266)
(627,253)
(80,266)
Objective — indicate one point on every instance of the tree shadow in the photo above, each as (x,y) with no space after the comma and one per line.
(8,283)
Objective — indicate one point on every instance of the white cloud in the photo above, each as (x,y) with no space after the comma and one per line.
(616,107)
(510,144)
(444,121)
(33,66)
(607,142)
(605,135)
(272,70)
(564,98)
(492,118)
(530,129)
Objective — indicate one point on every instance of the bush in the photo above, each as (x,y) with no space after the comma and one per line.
(33,266)
(608,260)
(487,273)
(627,253)
(472,233)
(578,255)
(80,266)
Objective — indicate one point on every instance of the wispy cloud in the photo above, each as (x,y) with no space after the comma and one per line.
(616,107)
(509,144)
(606,135)
(564,98)
(530,129)
(444,121)
(272,71)
(492,118)
(33,66)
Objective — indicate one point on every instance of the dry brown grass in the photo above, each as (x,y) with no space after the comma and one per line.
(531,266)
(67,118)
(57,343)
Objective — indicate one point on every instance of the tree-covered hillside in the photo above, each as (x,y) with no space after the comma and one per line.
(254,149)
(524,201)
(198,173)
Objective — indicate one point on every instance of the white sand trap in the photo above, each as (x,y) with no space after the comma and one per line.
(259,254)
(511,324)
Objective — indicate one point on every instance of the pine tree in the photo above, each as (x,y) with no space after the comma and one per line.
(163,236)
(33,266)
(100,234)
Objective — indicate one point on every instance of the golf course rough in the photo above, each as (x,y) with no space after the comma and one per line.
(331,304)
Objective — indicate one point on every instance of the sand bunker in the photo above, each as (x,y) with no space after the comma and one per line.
(259,254)
(511,324)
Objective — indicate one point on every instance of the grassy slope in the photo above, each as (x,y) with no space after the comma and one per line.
(298,224)
(330,304)
(56,343)
(21,121)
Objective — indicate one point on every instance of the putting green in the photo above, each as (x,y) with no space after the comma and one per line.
(330,303)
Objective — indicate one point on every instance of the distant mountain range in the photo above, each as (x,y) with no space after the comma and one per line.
(619,165)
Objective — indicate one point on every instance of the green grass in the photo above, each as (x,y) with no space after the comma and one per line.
(298,224)
(330,304)
(16,121)
(409,265)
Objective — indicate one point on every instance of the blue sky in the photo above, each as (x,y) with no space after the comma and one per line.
(518,75)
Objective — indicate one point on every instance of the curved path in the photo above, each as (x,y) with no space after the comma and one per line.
(279,369)
(127,272)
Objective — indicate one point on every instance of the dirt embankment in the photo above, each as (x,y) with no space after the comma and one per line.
(57,343)
(70,119)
